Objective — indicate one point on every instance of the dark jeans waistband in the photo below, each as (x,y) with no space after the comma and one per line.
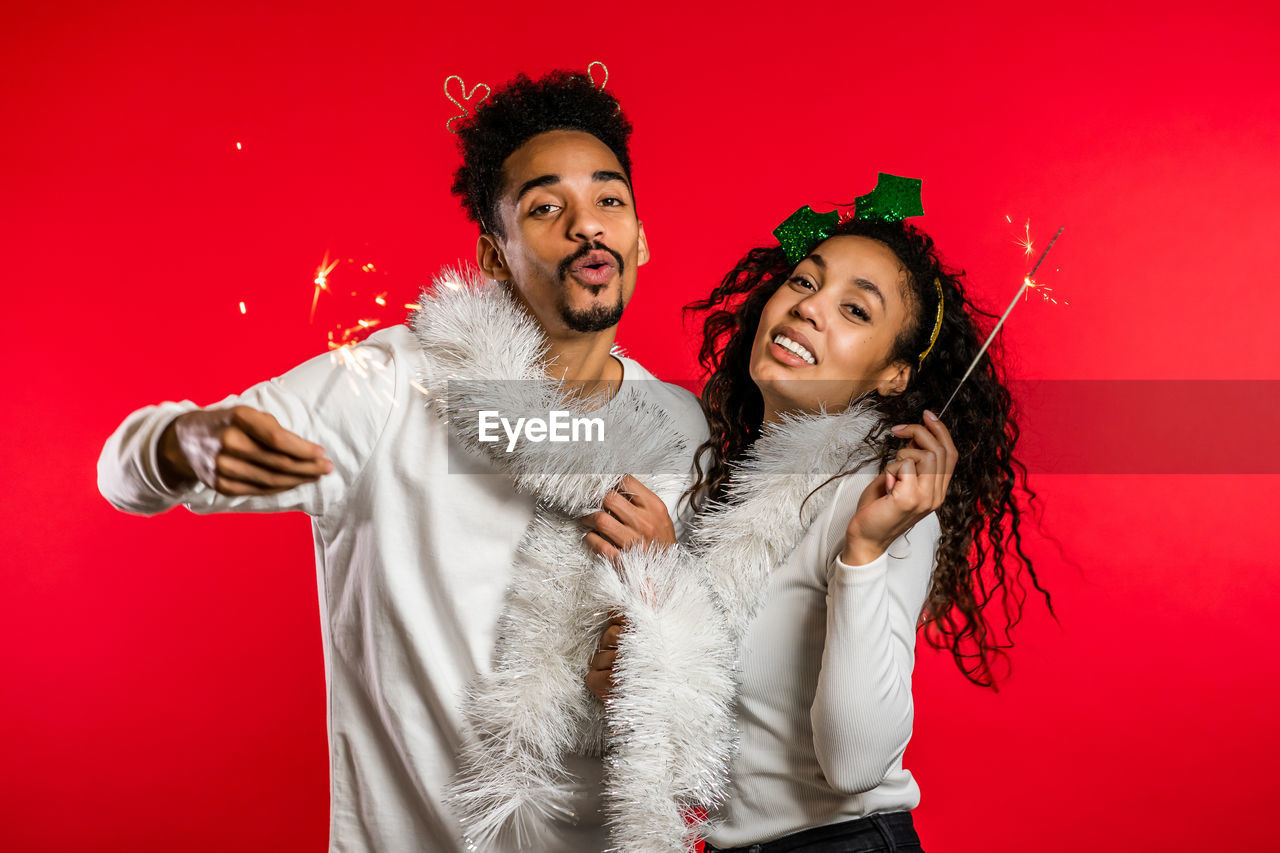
(892,829)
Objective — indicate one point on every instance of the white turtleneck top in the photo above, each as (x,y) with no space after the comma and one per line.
(825,709)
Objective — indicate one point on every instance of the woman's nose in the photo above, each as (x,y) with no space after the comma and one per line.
(810,310)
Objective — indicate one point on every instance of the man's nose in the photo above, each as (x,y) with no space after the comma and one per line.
(585,223)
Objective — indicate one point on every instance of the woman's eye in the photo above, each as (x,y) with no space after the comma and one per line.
(800,281)
(859,312)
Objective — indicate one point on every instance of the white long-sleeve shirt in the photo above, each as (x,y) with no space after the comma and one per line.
(414,542)
(825,708)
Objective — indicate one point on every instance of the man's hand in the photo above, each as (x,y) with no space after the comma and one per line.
(238,451)
(600,676)
(631,515)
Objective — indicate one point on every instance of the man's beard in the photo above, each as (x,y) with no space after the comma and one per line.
(597,318)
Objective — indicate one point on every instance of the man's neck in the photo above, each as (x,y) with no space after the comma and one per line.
(584,364)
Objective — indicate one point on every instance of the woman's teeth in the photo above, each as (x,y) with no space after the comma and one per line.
(786,343)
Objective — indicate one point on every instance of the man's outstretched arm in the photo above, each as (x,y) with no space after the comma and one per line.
(291,443)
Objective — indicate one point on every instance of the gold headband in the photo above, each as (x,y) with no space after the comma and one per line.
(937,324)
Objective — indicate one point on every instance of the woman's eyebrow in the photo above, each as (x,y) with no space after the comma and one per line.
(869,287)
(861,283)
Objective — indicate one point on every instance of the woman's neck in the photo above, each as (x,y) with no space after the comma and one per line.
(771,415)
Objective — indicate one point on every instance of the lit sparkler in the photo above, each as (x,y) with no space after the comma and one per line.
(1028,281)
(1044,290)
(1031,284)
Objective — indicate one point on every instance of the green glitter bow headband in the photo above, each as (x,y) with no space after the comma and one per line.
(893,199)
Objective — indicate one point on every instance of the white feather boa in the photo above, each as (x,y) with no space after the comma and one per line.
(667,734)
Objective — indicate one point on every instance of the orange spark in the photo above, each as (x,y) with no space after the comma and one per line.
(347,336)
(1025,240)
(322,281)
(1043,289)
(360,363)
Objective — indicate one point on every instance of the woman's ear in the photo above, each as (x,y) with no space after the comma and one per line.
(894,380)
(490,258)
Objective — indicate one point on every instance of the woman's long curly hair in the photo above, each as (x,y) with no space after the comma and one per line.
(980,559)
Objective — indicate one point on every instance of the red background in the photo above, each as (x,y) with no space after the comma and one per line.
(162,681)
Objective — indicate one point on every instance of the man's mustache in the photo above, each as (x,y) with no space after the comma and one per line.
(584,250)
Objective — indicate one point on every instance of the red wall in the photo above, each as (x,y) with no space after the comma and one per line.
(162,679)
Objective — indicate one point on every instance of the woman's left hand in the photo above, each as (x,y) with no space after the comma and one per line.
(632,515)
(912,486)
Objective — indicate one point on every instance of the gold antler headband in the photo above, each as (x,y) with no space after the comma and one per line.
(465,104)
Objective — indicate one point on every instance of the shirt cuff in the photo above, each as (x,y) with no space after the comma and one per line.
(842,572)
(150,470)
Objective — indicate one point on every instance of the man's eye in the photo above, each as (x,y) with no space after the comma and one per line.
(612,201)
(800,281)
(542,209)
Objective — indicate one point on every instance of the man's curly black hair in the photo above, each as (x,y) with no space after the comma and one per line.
(519,111)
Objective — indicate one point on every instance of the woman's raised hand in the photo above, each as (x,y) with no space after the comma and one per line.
(632,515)
(912,486)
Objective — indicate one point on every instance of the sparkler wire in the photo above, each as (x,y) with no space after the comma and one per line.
(1026,282)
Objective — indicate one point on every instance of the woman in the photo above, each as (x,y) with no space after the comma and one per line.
(827,538)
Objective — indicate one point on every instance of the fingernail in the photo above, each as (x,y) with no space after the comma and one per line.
(930,415)
(897,429)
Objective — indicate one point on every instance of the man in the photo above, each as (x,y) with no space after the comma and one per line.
(416,524)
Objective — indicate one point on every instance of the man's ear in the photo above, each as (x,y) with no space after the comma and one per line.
(894,379)
(643,256)
(491,259)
